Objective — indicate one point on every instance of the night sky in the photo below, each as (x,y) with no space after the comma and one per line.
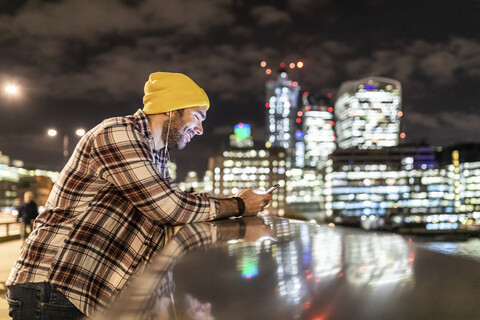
(78,62)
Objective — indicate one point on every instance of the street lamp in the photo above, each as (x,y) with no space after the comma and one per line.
(52,133)
(11,89)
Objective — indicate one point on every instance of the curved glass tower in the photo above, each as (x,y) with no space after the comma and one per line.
(368,113)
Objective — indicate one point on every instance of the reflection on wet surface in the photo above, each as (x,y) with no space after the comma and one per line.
(286,269)
(468,248)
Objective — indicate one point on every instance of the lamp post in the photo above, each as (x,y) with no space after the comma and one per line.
(54,132)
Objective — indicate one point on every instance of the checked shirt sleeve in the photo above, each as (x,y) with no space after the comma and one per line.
(121,155)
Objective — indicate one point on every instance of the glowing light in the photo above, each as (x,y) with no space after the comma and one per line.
(268,71)
(11,89)
(307,108)
(400,113)
(282,64)
(295,83)
(330,109)
(267,105)
(299,120)
(299,113)
(299,64)
(402,135)
(292,65)
(263,64)
(52,132)
(329,95)
(242,131)
(80,132)
(332,123)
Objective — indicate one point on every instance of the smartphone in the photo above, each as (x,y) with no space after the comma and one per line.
(275,187)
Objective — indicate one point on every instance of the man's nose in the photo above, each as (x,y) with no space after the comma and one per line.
(199,129)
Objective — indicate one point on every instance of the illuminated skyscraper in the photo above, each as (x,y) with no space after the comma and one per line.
(281,108)
(368,113)
(317,124)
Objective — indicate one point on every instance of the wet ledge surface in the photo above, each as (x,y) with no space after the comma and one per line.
(288,269)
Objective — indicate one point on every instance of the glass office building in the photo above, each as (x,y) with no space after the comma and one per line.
(304,189)
(317,121)
(281,106)
(237,169)
(368,113)
(403,185)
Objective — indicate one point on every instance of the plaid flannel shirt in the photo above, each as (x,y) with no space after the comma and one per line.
(105,215)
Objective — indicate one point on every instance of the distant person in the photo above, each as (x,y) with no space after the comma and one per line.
(16,207)
(106,213)
(27,213)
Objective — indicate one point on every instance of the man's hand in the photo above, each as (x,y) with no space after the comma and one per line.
(254,202)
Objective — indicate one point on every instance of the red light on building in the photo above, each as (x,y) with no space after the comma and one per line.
(299,120)
(332,123)
(267,105)
(402,135)
(292,65)
(282,64)
(307,108)
(299,64)
(299,113)
(334,138)
(295,83)
(400,113)
(268,71)
(330,109)
(263,64)
(329,95)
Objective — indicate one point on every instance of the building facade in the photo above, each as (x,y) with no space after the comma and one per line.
(236,169)
(281,106)
(368,113)
(317,124)
(402,185)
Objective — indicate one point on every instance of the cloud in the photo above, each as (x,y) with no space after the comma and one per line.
(267,16)
(78,19)
(193,17)
(439,67)
(443,128)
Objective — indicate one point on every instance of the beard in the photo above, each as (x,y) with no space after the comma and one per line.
(177,137)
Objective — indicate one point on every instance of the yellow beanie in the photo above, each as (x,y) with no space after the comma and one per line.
(166,91)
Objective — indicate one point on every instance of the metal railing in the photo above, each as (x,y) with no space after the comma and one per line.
(9,230)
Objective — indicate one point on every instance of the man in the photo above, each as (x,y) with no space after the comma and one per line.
(27,212)
(105,215)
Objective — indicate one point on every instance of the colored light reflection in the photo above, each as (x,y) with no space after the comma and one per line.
(249,271)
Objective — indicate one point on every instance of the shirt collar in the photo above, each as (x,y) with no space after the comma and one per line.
(143,124)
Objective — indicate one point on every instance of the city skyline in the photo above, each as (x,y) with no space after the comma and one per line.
(78,62)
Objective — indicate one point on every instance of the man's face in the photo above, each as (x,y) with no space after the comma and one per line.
(184,125)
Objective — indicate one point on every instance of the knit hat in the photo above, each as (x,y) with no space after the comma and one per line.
(165,91)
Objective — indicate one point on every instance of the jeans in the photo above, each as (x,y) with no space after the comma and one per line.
(23,229)
(39,301)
